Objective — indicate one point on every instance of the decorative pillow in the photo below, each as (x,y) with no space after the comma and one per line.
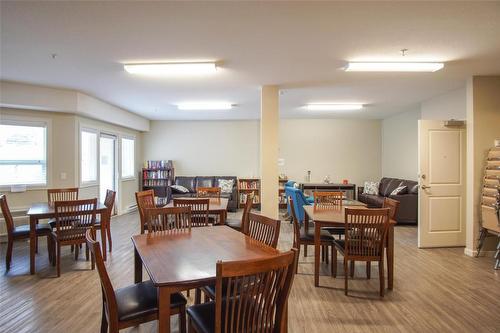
(179,189)
(371,188)
(226,185)
(414,189)
(400,190)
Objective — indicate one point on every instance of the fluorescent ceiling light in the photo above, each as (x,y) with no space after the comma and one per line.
(333,107)
(172,68)
(394,66)
(202,106)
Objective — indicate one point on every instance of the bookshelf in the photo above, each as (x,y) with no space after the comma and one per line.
(246,186)
(158,176)
(281,193)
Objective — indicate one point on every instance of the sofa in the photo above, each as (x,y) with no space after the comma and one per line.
(192,183)
(408,203)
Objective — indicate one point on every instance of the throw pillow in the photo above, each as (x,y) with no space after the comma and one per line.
(371,188)
(179,189)
(226,185)
(400,190)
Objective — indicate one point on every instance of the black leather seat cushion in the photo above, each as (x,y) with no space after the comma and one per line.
(234,223)
(24,230)
(309,236)
(203,316)
(205,182)
(141,299)
(335,230)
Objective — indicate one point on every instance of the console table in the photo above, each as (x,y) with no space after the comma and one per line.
(348,189)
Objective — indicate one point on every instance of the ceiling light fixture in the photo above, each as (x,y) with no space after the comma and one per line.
(393,66)
(205,106)
(334,107)
(172,68)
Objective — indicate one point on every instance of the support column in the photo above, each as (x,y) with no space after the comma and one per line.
(269,136)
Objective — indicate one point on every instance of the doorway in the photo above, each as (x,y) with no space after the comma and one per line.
(107,160)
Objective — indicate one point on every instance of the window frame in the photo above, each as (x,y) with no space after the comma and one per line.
(133,176)
(97,133)
(33,122)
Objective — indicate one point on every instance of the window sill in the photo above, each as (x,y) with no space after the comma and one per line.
(128,179)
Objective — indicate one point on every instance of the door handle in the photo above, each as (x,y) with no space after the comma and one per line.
(425,187)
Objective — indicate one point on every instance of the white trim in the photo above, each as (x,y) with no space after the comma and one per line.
(473,253)
(96,132)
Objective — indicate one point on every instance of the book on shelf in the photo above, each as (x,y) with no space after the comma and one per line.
(155,182)
(155,174)
(161,164)
(243,198)
(249,184)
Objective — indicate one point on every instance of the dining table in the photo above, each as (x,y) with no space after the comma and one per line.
(217,206)
(43,210)
(179,260)
(335,217)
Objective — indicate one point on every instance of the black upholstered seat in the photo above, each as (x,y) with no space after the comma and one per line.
(24,230)
(309,236)
(234,223)
(203,316)
(140,300)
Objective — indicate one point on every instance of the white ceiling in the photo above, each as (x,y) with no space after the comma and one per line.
(297,45)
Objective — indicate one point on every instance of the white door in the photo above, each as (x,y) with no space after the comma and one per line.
(107,169)
(441,158)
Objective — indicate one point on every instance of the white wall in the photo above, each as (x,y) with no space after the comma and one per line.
(340,148)
(400,145)
(208,148)
(451,105)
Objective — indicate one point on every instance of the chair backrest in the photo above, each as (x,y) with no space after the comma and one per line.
(108,293)
(62,194)
(7,216)
(366,230)
(263,229)
(299,200)
(393,205)
(246,210)
(168,218)
(144,199)
(261,289)
(296,225)
(73,218)
(208,192)
(199,210)
(327,200)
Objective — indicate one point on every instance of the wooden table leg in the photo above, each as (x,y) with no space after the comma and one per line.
(33,221)
(222,217)
(163,310)
(137,267)
(103,236)
(317,232)
(390,257)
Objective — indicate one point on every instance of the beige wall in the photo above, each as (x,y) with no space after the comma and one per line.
(205,147)
(483,127)
(341,148)
(451,105)
(400,145)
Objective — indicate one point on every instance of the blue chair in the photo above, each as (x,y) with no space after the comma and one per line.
(289,186)
(299,200)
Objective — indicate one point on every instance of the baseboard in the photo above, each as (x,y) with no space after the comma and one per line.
(473,253)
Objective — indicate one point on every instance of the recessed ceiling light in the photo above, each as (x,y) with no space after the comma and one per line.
(204,106)
(334,107)
(394,66)
(172,68)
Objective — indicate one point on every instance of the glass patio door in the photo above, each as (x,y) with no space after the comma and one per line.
(107,169)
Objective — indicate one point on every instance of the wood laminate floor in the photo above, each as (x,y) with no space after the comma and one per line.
(438,290)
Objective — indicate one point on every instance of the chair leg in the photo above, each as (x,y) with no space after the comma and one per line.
(305,250)
(182,319)
(190,326)
(381,276)
(8,258)
(326,255)
(58,259)
(36,245)
(334,262)
(77,251)
(346,276)
(352,268)
(108,232)
(86,252)
(322,253)
(197,296)
(104,322)
(368,270)
(49,248)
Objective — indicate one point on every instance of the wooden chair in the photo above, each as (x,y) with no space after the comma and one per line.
(259,292)
(60,194)
(168,218)
(109,202)
(263,229)
(208,192)
(329,200)
(144,199)
(73,218)
(306,237)
(22,232)
(238,224)
(364,241)
(393,205)
(131,305)
(199,210)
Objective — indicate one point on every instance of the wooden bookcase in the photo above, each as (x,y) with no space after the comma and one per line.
(281,194)
(158,176)
(246,186)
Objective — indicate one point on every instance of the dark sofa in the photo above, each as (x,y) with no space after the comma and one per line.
(408,203)
(191,183)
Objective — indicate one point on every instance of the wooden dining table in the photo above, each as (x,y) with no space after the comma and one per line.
(335,217)
(217,206)
(185,259)
(42,210)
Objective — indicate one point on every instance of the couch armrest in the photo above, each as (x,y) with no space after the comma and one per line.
(408,208)
(360,190)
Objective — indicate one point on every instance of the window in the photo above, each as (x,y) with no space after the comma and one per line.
(88,166)
(23,153)
(128,158)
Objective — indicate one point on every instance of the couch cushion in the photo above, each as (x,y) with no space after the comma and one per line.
(402,189)
(373,201)
(413,189)
(205,182)
(187,182)
(387,185)
(179,189)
